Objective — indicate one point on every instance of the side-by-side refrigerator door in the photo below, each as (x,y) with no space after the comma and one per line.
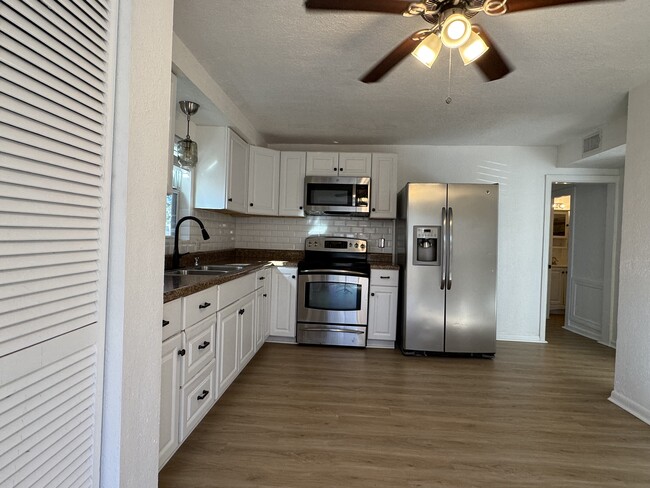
(424,296)
(472,265)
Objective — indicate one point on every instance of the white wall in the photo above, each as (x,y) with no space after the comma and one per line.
(520,171)
(136,249)
(632,379)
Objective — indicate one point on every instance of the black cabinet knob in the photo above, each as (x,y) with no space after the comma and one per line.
(372,294)
(373,210)
(300,208)
(293,277)
(181,352)
(165,323)
(204,345)
(251,204)
(230,199)
(204,305)
(335,169)
(340,169)
(203,395)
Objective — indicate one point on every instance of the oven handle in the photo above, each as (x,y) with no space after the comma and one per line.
(332,271)
(329,329)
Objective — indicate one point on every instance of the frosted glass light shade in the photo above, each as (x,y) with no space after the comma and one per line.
(188,154)
(473,49)
(428,50)
(455,31)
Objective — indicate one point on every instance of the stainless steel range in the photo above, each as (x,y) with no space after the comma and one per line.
(333,283)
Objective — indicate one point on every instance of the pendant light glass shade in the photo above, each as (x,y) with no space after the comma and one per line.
(455,31)
(473,49)
(428,50)
(187,150)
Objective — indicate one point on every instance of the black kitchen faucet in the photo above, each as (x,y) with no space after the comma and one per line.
(176,257)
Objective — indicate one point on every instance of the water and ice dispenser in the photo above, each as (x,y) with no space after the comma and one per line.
(426,242)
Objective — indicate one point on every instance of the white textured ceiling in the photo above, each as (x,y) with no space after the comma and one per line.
(294,74)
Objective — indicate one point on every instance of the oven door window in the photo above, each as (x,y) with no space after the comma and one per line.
(329,194)
(344,297)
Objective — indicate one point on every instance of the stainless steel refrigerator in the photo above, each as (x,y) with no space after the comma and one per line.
(446,244)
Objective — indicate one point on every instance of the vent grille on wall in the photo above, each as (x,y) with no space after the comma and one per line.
(592,142)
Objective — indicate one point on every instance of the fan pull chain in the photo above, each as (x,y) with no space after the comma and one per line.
(448,99)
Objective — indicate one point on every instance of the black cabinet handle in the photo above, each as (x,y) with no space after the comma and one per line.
(264,295)
(165,323)
(241,311)
(385,277)
(181,352)
(251,204)
(205,305)
(203,395)
(204,345)
(230,199)
(261,277)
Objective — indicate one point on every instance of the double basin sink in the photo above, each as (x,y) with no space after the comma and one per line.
(210,269)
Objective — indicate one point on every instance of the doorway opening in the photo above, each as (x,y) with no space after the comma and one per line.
(581,235)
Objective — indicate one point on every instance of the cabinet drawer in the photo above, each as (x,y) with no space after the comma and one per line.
(384,277)
(199,346)
(262,278)
(199,306)
(197,397)
(233,290)
(172,319)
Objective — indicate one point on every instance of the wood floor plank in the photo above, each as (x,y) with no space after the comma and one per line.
(535,416)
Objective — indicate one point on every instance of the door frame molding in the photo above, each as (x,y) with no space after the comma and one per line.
(612,231)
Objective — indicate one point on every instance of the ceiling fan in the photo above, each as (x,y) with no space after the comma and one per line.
(450,26)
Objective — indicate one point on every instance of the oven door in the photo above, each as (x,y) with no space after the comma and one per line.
(331,298)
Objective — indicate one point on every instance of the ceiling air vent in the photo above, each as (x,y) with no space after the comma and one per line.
(592,142)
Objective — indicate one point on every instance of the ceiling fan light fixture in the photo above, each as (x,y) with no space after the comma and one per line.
(456,30)
(474,48)
(428,50)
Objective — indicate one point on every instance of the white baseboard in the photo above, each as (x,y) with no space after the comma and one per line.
(630,406)
(281,340)
(522,338)
(583,331)
(379,344)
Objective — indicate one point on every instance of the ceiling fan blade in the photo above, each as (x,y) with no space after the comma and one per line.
(385,6)
(518,5)
(492,64)
(393,58)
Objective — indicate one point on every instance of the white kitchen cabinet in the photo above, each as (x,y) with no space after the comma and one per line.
(382,308)
(246,329)
(263,181)
(558,289)
(172,322)
(292,183)
(262,306)
(383,186)
(197,397)
(355,164)
(221,174)
(169,398)
(284,285)
(228,355)
(322,164)
(199,344)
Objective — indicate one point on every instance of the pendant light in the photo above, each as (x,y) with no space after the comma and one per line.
(187,149)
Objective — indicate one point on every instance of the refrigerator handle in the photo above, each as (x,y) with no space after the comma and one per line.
(450,247)
(443,267)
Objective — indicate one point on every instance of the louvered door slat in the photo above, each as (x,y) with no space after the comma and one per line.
(21,235)
(44,298)
(29,274)
(31,248)
(52,121)
(55,221)
(55,58)
(47,208)
(90,32)
(10,159)
(33,185)
(78,44)
(48,259)
(76,475)
(14,292)
(90,14)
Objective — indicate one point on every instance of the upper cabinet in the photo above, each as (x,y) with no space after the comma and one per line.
(221,174)
(263,181)
(292,183)
(383,201)
(341,164)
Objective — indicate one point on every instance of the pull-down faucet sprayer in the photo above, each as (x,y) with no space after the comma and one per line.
(176,257)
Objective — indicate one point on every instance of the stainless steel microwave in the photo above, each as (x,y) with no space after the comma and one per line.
(334,195)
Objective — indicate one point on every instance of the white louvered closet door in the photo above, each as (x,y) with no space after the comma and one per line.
(57,72)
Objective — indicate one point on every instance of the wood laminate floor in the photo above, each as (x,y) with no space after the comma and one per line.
(535,416)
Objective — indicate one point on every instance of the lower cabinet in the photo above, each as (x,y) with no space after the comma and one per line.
(382,308)
(283,305)
(557,292)
(246,328)
(227,356)
(197,397)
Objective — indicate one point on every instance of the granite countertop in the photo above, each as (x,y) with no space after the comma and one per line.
(384,266)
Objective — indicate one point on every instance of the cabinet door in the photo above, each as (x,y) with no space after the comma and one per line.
(292,184)
(382,313)
(169,398)
(228,356)
(322,164)
(283,306)
(558,289)
(383,186)
(263,181)
(355,164)
(246,326)
(238,173)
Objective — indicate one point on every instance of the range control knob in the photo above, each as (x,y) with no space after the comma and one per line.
(363,246)
(356,245)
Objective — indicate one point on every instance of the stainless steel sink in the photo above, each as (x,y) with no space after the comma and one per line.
(198,271)
(222,267)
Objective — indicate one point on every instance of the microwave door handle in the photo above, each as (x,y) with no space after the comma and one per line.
(443,267)
(450,247)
